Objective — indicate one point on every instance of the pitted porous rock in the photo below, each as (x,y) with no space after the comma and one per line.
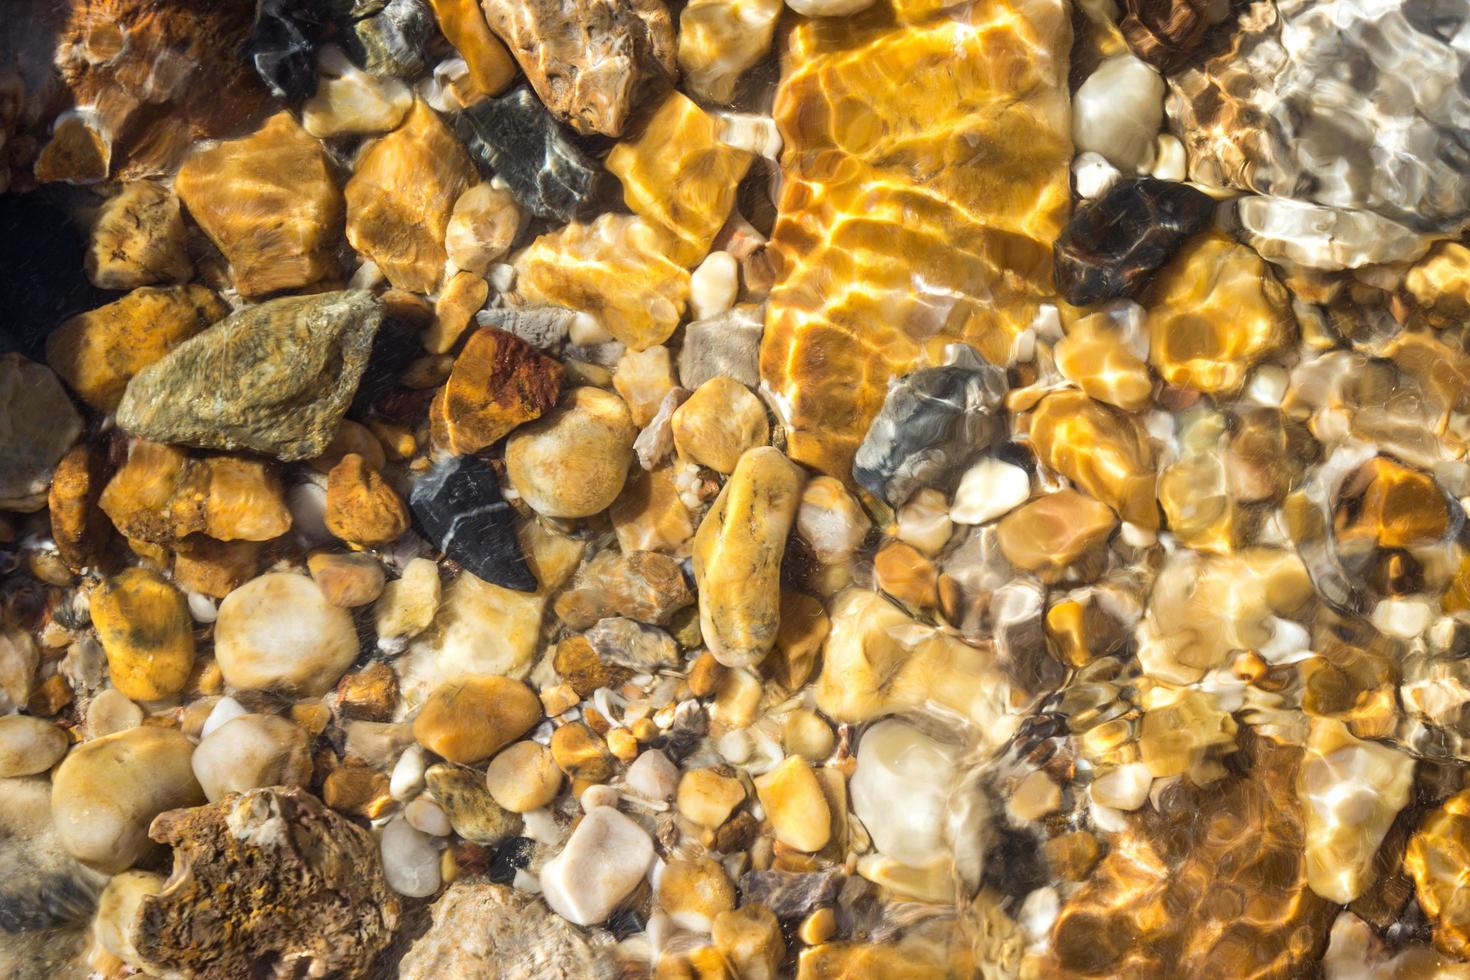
(268,883)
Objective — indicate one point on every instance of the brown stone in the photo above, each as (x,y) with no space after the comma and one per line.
(97,353)
(144,626)
(590,61)
(314,896)
(50,697)
(472,718)
(578,664)
(355,790)
(362,509)
(279,172)
(347,580)
(645,586)
(679,177)
(804,626)
(1102,450)
(1094,356)
(162,496)
(370,694)
(1052,532)
(1436,857)
(649,514)
(463,23)
(462,295)
(1165,32)
(78,526)
(138,239)
(498,382)
(718,423)
(1392,505)
(581,753)
(215,568)
(400,197)
(573,461)
(908,575)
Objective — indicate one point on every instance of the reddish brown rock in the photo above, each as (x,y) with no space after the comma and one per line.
(270,204)
(499,381)
(590,61)
(362,509)
(78,526)
(263,880)
(162,496)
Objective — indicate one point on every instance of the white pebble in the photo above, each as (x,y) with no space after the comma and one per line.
(1267,385)
(653,776)
(541,826)
(1117,112)
(202,608)
(736,746)
(828,8)
(308,505)
(989,489)
(603,861)
(1403,618)
(596,795)
(586,331)
(225,709)
(752,133)
(407,779)
(111,711)
(714,285)
(410,861)
(426,815)
(526,882)
(1169,159)
(1123,788)
(924,521)
(1039,913)
(1093,174)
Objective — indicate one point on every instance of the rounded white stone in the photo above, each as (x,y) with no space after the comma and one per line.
(224,710)
(603,861)
(249,752)
(714,285)
(1093,175)
(410,861)
(653,776)
(900,791)
(989,489)
(279,631)
(1117,112)
(407,779)
(427,816)
(1123,788)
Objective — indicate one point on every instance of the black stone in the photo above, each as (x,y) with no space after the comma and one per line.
(393,40)
(933,422)
(1113,246)
(458,506)
(282,47)
(511,856)
(517,139)
(42,246)
(394,347)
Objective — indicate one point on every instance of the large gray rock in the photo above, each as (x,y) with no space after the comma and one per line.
(494,932)
(273,379)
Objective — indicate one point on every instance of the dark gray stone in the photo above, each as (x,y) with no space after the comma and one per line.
(472,811)
(459,507)
(515,138)
(273,379)
(282,47)
(933,422)
(392,41)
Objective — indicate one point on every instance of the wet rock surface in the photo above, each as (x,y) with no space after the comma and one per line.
(458,504)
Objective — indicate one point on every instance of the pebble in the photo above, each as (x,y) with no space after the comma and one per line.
(460,508)
(652,776)
(625,643)
(644,378)
(498,383)
(225,709)
(581,753)
(1122,788)
(362,509)
(726,345)
(1117,112)
(1093,175)
(831,520)
(828,8)
(407,778)
(737,557)
(896,761)
(202,608)
(41,425)
(603,861)
(472,718)
(80,529)
(750,938)
(407,605)
(410,860)
(279,632)
(707,798)
(138,239)
(29,745)
(989,489)
(718,423)
(573,461)
(523,777)
(308,505)
(693,892)
(795,805)
(161,495)
(249,752)
(719,40)
(144,625)
(347,580)
(472,811)
(806,734)
(484,223)
(425,815)
(713,285)
(598,795)
(350,102)
(109,712)
(117,913)
(107,791)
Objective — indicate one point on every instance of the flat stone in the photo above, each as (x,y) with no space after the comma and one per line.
(932,423)
(459,507)
(718,423)
(29,745)
(830,520)
(795,805)
(78,526)
(1102,450)
(1113,246)
(295,364)
(271,848)
(791,894)
(473,812)
(279,170)
(1299,234)
(645,649)
(645,586)
(603,861)
(1054,530)
(590,61)
(407,605)
(726,345)
(516,138)
(472,718)
(644,378)
(1103,354)
(401,195)
(138,239)
(393,39)
(41,425)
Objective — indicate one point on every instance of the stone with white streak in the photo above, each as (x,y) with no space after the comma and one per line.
(603,861)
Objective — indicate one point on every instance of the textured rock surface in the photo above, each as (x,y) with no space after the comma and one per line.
(1165,33)
(516,138)
(932,422)
(267,880)
(719,40)
(590,61)
(488,930)
(273,379)
(78,526)
(349,101)
(143,624)
(459,507)
(278,172)
(138,239)
(499,382)
(888,245)
(728,344)
(40,425)
(400,198)
(1113,246)
(163,496)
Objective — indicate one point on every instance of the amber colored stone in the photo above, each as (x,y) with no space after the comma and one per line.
(362,508)
(614,269)
(1080,632)
(679,177)
(883,115)
(78,525)
(462,295)
(1439,284)
(1213,312)
(350,438)
(1195,493)
(1393,505)
(463,23)
(1054,531)
(499,381)
(1094,356)
(143,623)
(370,694)
(50,697)
(1268,455)
(354,789)
(859,961)
(98,352)
(401,195)
(215,568)
(1176,738)
(139,239)
(78,152)
(649,514)
(581,753)
(908,575)
(718,423)
(1073,855)
(161,495)
(578,664)
(269,202)
(719,40)
(1104,451)
(1437,857)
